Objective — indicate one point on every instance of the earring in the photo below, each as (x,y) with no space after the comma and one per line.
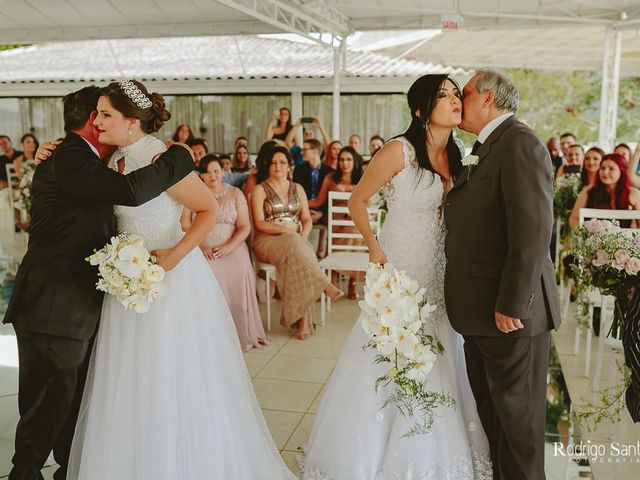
(130,132)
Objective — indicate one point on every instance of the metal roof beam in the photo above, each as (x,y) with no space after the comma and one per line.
(308,18)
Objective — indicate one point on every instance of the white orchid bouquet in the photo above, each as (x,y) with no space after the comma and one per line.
(127,270)
(398,321)
(608,258)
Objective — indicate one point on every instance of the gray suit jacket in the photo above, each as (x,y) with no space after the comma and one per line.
(499,217)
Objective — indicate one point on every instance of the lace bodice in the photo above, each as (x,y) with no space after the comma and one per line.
(158,220)
(414,224)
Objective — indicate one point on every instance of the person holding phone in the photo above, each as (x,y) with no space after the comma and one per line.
(279,125)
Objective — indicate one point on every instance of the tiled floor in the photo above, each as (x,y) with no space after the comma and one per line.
(289,376)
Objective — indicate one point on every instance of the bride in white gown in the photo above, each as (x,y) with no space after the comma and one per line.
(168,395)
(353,438)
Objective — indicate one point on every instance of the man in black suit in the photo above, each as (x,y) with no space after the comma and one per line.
(55,307)
(500,287)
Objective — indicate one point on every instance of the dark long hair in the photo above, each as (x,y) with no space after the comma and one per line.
(263,168)
(599,196)
(356,173)
(176,132)
(584,175)
(423,96)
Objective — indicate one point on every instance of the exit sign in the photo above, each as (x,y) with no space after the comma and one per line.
(450,22)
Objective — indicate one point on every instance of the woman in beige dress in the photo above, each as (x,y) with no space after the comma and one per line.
(282,222)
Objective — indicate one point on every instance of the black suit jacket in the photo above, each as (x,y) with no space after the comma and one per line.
(302,175)
(499,217)
(71,215)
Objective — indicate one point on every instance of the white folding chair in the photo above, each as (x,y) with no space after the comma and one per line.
(606,302)
(258,266)
(341,255)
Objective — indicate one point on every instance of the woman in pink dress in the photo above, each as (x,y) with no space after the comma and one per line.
(226,250)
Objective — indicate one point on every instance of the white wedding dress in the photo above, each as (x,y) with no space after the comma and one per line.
(353,438)
(168,395)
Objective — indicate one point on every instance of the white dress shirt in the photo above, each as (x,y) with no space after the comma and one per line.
(491,126)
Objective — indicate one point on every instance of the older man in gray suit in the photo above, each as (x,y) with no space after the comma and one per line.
(500,287)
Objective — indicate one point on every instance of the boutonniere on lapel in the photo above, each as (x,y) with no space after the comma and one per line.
(470,161)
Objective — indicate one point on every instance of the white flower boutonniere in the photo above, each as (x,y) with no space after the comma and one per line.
(470,161)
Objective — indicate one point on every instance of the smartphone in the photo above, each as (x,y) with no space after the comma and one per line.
(572,169)
(307,119)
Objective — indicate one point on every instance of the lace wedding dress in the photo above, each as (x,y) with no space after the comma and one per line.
(168,395)
(353,438)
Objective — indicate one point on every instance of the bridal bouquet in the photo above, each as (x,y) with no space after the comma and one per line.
(397,320)
(127,270)
(608,258)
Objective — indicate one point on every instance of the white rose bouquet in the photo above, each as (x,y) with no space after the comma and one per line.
(127,270)
(397,320)
(608,258)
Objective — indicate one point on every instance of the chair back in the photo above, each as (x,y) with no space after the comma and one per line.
(605,214)
(13,182)
(343,236)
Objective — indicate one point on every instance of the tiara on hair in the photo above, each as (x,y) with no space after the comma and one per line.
(135,94)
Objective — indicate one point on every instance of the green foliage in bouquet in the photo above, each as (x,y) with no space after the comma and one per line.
(608,406)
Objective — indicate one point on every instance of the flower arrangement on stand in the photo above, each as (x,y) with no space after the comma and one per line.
(127,270)
(565,193)
(608,259)
(23,192)
(398,321)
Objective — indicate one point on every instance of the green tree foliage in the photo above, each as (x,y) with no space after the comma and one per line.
(556,102)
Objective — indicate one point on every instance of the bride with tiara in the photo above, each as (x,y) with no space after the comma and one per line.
(168,395)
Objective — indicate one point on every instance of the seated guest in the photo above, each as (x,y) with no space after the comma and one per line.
(624,150)
(311,173)
(240,141)
(553,146)
(591,166)
(261,158)
(295,144)
(226,250)
(182,133)
(572,162)
(279,125)
(331,154)
(566,140)
(612,190)
(355,142)
(200,149)
(7,157)
(282,222)
(29,146)
(241,159)
(235,179)
(375,142)
(343,180)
